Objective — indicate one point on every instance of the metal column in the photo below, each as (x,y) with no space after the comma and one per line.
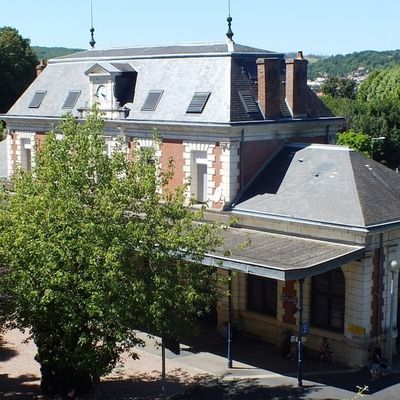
(229,327)
(300,336)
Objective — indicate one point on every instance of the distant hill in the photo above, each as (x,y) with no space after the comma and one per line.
(45,53)
(344,65)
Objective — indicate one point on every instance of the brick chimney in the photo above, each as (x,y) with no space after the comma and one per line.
(296,85)
(269,86)
(40,67)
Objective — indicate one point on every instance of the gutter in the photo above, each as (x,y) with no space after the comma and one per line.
(305,221)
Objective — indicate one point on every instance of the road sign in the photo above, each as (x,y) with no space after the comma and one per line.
(295,339)
(305,328)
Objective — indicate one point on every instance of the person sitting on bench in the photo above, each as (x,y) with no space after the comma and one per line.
(325,353)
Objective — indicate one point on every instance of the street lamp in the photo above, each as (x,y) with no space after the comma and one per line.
(392,267)
(372,144)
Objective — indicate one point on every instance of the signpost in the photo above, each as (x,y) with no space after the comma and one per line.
(304,329)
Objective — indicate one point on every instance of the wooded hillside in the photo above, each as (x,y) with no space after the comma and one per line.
(343,65)
(45,53)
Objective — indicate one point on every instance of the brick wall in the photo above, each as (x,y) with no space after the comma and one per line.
(172,148)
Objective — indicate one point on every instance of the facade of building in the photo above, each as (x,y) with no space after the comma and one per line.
(254,139)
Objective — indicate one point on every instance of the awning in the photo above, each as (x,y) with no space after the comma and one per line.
(280,257)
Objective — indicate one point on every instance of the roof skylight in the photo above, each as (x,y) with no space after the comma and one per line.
(248,102)
(71,99)
(37,99)
(152,100)
(198,102)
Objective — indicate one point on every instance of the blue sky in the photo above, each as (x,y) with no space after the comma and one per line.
(322,27)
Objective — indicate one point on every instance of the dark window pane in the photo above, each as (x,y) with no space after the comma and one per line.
(328,300)
(261,295)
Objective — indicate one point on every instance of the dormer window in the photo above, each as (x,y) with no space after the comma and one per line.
(71,99)
(113,84)
(152,100)
(198,102)
(37,99)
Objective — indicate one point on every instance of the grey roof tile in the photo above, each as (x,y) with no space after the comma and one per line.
(218,68)
(282,257)
(324,183)
(378,188)
(181,49)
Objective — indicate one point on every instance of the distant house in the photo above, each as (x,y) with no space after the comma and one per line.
(321,222)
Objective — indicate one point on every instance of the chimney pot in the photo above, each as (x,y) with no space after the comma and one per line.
(40,67)
(269,86)
(296,85)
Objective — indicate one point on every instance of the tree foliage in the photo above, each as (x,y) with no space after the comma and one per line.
(339,87)
(17,66)
(357,141)
(2,130)
(93,249)
(343,65)
(376,112)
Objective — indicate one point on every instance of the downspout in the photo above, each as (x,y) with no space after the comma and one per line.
(379,316)
(241,161)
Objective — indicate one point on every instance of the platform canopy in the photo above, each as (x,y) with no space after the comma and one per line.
(280,257)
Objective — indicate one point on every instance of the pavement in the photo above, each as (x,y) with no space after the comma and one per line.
(200,371)
(258,365)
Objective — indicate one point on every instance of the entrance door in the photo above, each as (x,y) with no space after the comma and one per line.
(202,183)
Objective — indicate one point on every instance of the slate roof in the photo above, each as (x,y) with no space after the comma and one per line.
(280,257)
(324,183)
(221,69)
(167,50)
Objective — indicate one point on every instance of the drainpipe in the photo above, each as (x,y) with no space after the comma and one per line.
(381,256)
(241,161)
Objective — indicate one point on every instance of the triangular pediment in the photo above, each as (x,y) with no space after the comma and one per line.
(104,69)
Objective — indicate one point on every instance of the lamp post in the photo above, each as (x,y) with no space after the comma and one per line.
(372,144)
(392,267)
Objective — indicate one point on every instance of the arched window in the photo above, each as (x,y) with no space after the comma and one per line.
(328,300)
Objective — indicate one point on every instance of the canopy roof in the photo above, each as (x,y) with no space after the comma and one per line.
(279,257)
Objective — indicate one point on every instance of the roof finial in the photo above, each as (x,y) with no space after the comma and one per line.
(229,19)
(92,41)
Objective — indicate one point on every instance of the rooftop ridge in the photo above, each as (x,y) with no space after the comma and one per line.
(166,50)
(331,147)
(154,45)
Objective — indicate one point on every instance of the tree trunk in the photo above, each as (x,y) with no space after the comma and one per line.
(163,366)
(64,381)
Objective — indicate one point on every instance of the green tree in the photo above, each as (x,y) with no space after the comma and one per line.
(357,141)
(17,66)
(377,113)
(2,130)
(86,239)
(339,87)
(341,107)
